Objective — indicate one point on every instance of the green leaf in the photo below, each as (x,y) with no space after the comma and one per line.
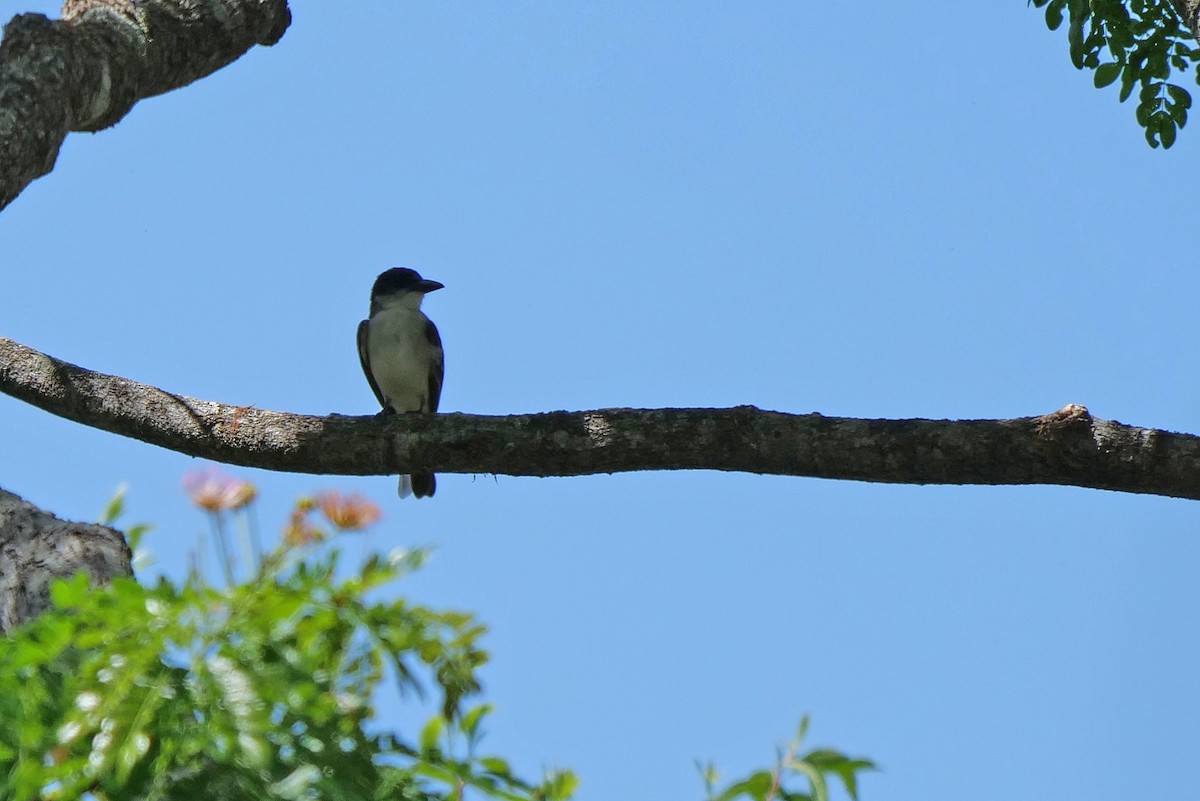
(802,729)
(26,652)
(1054,15)
(1150,91)
(431,732)
(848,772)
(1078,16)
(788,795)
(816,779)
(1179,96)
(495,765)
(755,786)
(1119,43)
(114,507)
(1128,79)
(1106,74)
(134,534)
(1167,132)
(1151,137)
(54,634)
(469,725)
(837,763)
(1144,114)
(68,593)
(558,785)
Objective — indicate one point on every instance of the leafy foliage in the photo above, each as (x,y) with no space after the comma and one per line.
(264,689)
(258,691)
(815,767)
(1141,44)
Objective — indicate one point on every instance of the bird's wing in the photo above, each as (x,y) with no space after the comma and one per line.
(366,364)
(439,368)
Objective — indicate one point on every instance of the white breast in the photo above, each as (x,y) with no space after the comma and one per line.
(401,356)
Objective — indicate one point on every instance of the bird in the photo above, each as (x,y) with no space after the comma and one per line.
(401,355)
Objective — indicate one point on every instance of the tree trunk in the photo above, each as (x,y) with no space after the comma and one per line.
(36,548)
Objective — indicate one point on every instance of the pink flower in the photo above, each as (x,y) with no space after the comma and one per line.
(213,491)
(347,512)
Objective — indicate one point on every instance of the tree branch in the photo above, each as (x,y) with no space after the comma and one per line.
(1067,447)
(1189,12)
(36,548)
(86,71)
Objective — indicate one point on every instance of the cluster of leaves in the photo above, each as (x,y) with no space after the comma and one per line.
(264,689)
(1141,43)
(814,768)
(258,691)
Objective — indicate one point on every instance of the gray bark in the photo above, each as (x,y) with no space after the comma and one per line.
(86,71)
(1067,447)
(1189,12)
(36,548)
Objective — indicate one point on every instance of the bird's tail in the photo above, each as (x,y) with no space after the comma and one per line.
(423,485)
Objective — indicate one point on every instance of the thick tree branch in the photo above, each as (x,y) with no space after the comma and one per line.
(1067,447)
(86,71)
(1189,12)
(36,548)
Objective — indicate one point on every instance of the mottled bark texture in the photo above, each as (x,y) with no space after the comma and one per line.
(1067,447)
(1189,12)
(85,71)
(36,548)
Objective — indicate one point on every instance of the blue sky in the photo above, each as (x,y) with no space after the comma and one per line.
(806,207)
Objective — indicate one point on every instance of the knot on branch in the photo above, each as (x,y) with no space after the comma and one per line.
(1071,417)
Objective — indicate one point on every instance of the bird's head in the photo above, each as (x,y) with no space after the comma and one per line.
(401,285)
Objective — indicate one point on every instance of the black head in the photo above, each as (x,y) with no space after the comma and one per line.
(401,279)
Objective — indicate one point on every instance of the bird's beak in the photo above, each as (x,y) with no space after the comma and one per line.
(425,286)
